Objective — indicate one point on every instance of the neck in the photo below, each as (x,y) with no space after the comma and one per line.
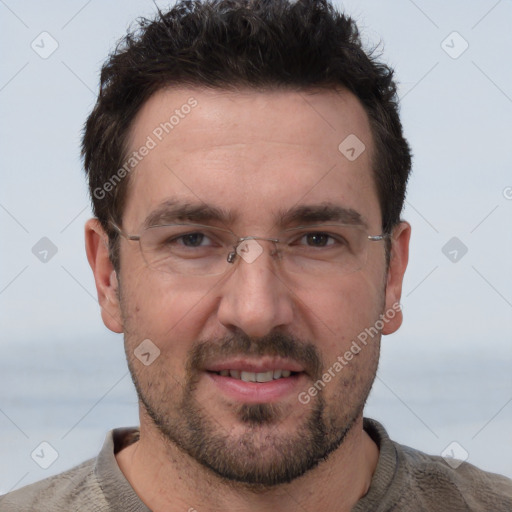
(167,479)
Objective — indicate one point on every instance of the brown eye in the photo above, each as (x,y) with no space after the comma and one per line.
(317,239)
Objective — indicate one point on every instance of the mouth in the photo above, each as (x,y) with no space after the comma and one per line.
(263,381)
(248,376)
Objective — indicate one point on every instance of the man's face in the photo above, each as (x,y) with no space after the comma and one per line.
(253,156)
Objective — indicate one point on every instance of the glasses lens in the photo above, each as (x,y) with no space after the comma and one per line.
(325,249)
(186,249)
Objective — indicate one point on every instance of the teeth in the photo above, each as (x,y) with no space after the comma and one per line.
(254,376)
(265,376)
(248,376)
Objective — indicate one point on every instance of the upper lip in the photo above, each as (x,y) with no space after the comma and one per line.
(260,365)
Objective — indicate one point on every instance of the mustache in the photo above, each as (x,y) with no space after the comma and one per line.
(275,344)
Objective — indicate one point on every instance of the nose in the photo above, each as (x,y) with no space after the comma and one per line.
(254,297)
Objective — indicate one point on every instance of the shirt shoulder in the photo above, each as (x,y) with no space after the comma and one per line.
(407,479)
(72,490)
(96,485)
(455,486)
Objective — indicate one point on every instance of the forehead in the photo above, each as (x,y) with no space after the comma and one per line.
(251,154)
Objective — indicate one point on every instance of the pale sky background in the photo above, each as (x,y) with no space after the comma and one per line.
(445,376)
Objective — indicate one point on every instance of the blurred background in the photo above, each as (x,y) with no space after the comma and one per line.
(445,382)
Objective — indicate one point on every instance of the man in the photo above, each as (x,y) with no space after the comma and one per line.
(247,170)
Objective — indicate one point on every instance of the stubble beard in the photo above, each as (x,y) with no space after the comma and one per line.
(259,455)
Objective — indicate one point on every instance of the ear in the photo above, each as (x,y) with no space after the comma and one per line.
(399,257)
(96,246)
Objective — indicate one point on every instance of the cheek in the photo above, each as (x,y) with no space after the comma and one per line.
(156,307)
(341,309)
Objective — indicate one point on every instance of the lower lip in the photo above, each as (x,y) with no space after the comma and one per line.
(258,392)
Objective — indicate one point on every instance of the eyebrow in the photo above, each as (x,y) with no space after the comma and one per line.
(324,212)
(171,211)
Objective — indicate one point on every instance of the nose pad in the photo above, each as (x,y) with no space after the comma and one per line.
(274,252)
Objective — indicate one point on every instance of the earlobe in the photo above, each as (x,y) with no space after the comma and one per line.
(398,263)
(105,276)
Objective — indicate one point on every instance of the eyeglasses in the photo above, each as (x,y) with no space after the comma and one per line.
(198,250)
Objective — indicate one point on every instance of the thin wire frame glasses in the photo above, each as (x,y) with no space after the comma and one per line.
(200,250)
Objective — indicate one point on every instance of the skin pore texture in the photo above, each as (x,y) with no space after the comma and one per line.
(206,443)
